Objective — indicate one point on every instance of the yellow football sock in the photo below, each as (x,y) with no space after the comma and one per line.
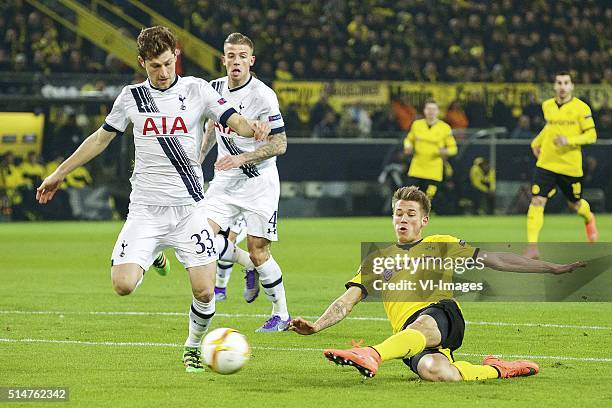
(471,372)
(585,211)
(404,344)
(535,220)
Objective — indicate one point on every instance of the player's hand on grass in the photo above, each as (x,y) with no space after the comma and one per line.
(49,186)
(561,140)
(559,269)
(230,162)
(261,129)
(301,326)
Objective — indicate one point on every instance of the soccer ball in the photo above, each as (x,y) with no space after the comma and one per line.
(225,351)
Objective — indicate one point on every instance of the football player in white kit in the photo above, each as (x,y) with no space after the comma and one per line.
(246,179)
(166,202)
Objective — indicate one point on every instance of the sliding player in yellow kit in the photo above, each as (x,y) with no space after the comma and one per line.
(430,142)
(427,331)
(569,125)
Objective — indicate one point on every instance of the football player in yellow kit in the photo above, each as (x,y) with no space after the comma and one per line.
(558,148)
(427,331)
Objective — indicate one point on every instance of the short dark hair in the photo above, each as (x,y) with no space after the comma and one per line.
(412,193)
(154,41)
(239,39)
(563,73)
(430,100)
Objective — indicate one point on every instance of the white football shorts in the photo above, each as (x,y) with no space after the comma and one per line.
(149,229)
(255,198)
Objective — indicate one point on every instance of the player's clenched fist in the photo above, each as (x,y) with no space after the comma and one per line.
(49,186)
(302,326)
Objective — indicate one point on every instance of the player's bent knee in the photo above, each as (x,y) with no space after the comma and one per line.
(259,251)
(436,367)
(123,286)
(125,278)
(204,295)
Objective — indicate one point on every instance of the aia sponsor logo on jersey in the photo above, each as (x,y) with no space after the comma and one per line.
(164,126)
(227,130)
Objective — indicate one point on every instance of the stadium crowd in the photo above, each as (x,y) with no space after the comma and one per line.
(19,179)
(503,41)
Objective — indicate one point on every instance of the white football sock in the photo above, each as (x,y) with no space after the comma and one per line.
(200,316)
(224,271)
(229,252)
(271,278)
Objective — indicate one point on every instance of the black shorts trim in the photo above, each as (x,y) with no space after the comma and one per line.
(545,182)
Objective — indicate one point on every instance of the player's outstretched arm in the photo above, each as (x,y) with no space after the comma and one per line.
(208,140)
(249,128)
(276,145)
(90,148)
(334,313)
(507,262)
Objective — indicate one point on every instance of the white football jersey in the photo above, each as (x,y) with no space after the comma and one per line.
(253,100)
(168,128)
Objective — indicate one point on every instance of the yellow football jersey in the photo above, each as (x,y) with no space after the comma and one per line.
(427,141)
(573,120)
(398,305)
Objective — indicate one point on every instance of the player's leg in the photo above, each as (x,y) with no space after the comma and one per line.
(441,324)
(271,278)
(439,365)
(542,188)
(431,188)
(126,278)
(135,248)
(571,187)
(194,243)
(201,312)
(224,272)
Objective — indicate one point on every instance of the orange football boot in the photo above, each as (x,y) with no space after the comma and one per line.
(507,369)
(364,359)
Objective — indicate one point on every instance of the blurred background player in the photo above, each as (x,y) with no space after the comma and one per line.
(427,331)
(166,200)
(482,181)
(237,234)
(569,125)
(430,142)
(246,178)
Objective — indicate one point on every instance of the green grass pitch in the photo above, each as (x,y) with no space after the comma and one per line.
(123,359)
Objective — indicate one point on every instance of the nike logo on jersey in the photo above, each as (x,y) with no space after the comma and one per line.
(159,126)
